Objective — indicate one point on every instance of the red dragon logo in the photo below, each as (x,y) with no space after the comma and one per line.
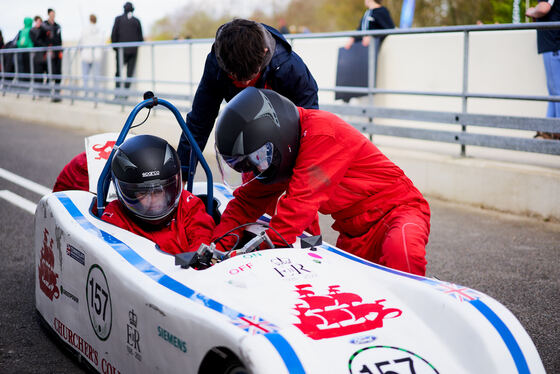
(103,150)
(338,313)
(47,276)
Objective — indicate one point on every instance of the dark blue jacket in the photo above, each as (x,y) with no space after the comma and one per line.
(286,74)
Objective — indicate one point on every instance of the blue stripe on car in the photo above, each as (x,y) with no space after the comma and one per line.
(506,335)
(290,357)
(499,325)
(283,347)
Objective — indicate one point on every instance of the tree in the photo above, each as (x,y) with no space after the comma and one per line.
(335,15)
(191,21)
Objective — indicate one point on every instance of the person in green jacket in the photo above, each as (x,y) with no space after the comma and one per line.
(24,41)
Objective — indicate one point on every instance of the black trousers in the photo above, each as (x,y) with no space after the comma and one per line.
(56,68)
(39,67)
(24,65)
(129,59)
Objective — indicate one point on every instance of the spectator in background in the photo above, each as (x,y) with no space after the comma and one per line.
(91,57)
(282,27)
(376,17)
(126,28)
(8,58)
(54,39)
(548,44)
(38,35)
(24,41)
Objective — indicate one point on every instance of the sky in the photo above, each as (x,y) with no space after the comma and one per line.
(73,15)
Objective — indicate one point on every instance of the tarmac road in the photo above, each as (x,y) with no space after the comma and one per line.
(514,259)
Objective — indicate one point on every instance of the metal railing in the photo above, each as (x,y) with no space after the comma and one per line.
(43,84)
(104,86)
(462,118)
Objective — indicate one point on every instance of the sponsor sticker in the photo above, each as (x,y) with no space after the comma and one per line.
(76,254)
(386,359)
(152,173)
(99,302)
(69,293)
(178,343)
(367,339)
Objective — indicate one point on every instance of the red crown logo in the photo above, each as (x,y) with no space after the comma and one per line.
(338,313)
(103,150)
(47,275)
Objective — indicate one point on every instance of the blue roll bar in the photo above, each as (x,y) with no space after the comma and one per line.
(105,179)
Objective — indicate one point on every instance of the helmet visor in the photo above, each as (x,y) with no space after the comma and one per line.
(151,200)
(251,166)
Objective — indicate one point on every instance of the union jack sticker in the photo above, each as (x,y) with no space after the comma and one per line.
(254,325)
(458,292)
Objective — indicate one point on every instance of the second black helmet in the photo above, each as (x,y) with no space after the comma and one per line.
(258,131)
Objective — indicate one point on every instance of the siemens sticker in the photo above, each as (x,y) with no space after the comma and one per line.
(172,339)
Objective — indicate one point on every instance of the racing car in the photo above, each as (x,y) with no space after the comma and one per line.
(122,305)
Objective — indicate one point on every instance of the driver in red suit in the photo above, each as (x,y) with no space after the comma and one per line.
(321,164)
(151,201)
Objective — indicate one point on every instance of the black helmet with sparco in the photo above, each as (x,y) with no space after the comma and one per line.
(258,132)
(146,172)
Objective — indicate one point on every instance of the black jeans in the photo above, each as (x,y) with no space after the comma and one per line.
(24,65)
(129,59)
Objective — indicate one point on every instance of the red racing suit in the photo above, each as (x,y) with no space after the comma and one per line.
(74,176)
(378,212)
(190,227)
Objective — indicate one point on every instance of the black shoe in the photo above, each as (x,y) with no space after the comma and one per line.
(56,100)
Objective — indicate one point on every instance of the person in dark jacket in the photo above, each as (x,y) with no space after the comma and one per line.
(54,39)
(126,28)
(376,17)
(38,35)
(245,53)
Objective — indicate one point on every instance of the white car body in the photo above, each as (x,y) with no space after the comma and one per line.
(125,307)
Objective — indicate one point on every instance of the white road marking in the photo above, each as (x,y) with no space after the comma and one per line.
(19,201)
(25,183)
